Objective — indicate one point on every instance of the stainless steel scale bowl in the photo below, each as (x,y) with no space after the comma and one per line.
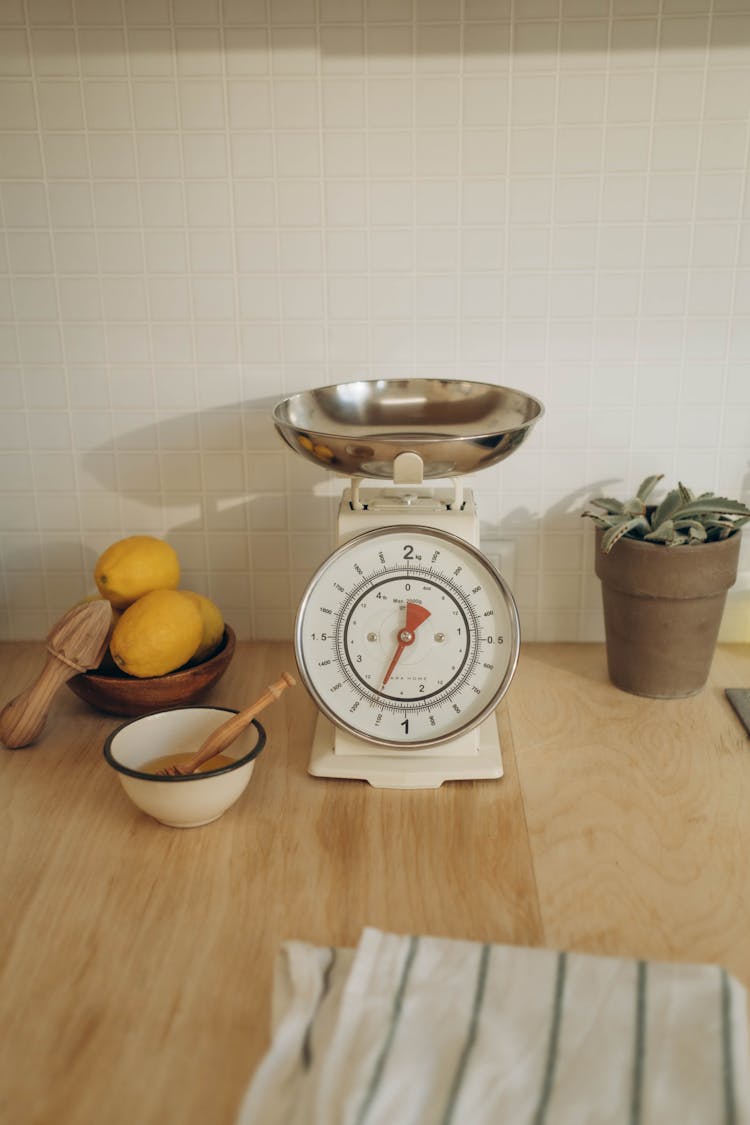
(358,429)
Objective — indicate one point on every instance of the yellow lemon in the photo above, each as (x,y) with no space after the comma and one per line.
(134,566)
(156,634)
(213,626)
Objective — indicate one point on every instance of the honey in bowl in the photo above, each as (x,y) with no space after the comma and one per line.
(166,760)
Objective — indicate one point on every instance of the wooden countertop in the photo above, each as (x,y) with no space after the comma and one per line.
(136,960)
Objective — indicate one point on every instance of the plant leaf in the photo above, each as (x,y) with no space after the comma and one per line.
(728,526)
(667,508)
(720,529)
(614,507)
(713,505)
(600,520)
(664,533)
(626,527)
(686,493)
(695,529)
(647,486)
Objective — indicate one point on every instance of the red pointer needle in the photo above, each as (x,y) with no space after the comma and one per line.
(415,615)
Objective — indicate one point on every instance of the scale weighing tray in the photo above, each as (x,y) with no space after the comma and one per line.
(360,429)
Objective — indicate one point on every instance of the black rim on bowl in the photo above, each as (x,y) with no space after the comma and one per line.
(143,776)
(118,677)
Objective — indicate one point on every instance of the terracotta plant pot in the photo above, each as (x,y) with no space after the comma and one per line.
(662,611)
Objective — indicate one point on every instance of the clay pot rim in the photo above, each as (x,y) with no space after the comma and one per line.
(637,543)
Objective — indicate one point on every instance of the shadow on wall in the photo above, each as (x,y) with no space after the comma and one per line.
(555,584)
(251,522)
(249,519)
(632,29)
(404,30)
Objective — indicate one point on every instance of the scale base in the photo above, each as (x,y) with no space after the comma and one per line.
(406,769)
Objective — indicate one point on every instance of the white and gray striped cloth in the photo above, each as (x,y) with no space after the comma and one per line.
(419,1030)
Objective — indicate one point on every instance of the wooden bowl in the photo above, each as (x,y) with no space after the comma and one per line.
(118,694)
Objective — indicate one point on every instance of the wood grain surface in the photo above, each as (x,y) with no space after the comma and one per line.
(136,960)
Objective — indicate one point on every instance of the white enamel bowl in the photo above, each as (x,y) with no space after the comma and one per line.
(182,802)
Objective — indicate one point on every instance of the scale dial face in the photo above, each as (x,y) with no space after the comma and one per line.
(407,636)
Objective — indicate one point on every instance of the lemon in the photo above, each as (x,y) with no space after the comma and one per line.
(157,633)
(134,566)
(213,626)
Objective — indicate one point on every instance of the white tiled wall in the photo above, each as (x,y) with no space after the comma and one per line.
(208,204)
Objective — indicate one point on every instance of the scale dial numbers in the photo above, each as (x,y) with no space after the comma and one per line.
(433,655)
(407,637)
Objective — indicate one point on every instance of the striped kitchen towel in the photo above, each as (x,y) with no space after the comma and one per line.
(420,1030)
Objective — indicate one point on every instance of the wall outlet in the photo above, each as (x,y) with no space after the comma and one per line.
(502,555)
(735,623)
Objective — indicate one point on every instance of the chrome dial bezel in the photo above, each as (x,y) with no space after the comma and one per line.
(308,651)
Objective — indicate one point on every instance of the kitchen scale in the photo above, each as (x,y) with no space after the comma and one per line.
(407,637)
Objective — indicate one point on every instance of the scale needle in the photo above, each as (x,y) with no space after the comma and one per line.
(415,615)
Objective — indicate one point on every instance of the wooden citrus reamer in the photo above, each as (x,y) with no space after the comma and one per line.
(76,643)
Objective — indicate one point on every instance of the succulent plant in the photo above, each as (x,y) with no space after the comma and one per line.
(681,519)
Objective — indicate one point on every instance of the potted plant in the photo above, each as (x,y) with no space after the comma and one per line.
(665,570)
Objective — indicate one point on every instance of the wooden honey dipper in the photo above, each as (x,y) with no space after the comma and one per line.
(220,738)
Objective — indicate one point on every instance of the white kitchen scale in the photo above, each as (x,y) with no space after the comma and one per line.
(407,637)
